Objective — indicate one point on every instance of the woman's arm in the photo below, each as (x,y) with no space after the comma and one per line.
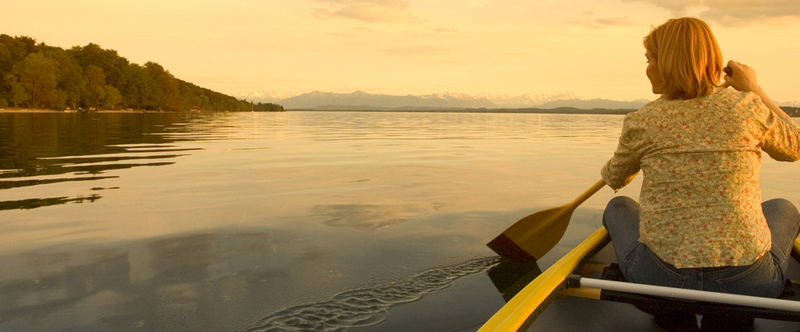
(626,162)
(743,78)
(782,138)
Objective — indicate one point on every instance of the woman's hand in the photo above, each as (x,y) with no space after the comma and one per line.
(741,77)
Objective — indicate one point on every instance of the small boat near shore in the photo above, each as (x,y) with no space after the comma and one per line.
(584,291)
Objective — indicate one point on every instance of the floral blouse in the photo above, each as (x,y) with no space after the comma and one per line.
(701,158)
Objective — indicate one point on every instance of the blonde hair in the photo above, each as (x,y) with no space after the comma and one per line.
(689,59)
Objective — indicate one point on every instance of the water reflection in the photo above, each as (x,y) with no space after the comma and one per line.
(28,138)
(215,281)
(418,126)
(46,149)
(49,292)
(27,204)
(128,286)
(363,216)
(24,183)
(368,306)
(510,276)
(312,204)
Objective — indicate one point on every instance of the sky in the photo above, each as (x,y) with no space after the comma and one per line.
(582,48)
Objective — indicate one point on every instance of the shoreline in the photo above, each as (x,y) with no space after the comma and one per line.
(793,112)
(38,110)
(561,110)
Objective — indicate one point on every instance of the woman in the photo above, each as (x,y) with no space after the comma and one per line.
(701,223)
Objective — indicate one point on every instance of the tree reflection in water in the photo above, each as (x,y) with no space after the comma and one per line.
(49,148)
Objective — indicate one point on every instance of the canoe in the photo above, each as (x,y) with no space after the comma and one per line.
(581,292)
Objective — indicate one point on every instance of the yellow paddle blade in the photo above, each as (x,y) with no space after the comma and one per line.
(533,236)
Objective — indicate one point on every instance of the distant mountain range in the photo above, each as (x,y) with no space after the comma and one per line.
(360,100)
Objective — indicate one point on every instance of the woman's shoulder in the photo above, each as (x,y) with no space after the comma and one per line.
(721,98)
(654,107)
(734,97)
(741,101)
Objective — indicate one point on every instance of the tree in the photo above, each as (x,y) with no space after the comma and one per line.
(131,86)
(153,94)
(6,60)
(112,64)
(17,95)
(27,45)
(172,93)
(38,74)
(112,98)
(71,80)
(12,51)
(95,86)
(268,107)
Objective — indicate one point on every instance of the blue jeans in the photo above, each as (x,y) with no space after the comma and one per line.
(764,277)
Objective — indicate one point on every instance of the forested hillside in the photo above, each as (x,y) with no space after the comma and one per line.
(40,76)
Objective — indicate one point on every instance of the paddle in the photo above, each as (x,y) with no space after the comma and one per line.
(533,236)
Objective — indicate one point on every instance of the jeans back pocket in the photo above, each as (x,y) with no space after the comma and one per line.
(644,267)
(761,278)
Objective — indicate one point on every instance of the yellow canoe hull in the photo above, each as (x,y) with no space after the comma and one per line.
(534,298)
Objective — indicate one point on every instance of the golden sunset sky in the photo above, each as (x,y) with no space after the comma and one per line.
(585,48)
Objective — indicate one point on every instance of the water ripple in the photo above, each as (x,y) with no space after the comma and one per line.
(369,306)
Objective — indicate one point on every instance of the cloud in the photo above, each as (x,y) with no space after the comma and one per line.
(603,22)
(416,50)
(370,11)
(625,20)
(730,11)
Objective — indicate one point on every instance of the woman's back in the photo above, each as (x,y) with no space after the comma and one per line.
(700,200)
(701,158)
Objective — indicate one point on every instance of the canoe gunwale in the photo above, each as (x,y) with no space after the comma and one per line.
(534,297)
(525,306)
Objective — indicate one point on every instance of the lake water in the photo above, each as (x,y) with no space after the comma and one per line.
(361,221)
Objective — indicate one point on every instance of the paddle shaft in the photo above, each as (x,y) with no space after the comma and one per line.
(593,189)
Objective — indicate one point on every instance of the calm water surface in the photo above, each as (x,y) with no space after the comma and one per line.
(283,221)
